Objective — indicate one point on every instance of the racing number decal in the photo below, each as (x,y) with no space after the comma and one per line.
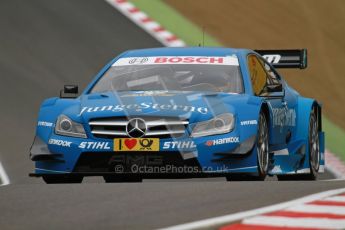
(258,75)
(136,144)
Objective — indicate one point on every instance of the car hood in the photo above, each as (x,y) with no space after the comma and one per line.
(195,106)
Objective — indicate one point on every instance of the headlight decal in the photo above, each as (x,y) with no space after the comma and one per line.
(223,123)
(66,127)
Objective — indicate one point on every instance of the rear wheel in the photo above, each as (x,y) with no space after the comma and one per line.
(262,153)
(314,153)
(314,147)
(62,179)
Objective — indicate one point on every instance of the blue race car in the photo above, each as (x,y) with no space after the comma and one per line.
(182,112)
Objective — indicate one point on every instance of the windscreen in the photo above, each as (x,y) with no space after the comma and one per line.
(212,74)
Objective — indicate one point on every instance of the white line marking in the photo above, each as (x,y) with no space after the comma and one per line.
(335,199)
(3,176)
(138,16)
(241,215)
(127,5)
(311,208)
(334,165)
(279,221)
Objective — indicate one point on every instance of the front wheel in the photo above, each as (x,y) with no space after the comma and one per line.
(262,151)
(262,147)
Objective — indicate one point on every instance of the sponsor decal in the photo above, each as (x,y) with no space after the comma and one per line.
(138,60)
(136,144)
(272,58)
(149,94)
(284,117)
(249,122)
(226,140)
(199,60)
(94,145)
(179,145)
(60,142)
(144,105)
(142,159)
(144,163)
(228,60)
(44,123)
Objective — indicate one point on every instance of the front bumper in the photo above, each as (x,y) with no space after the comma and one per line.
(211,154)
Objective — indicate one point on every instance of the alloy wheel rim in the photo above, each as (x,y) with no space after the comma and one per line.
(262,145)
(314,145)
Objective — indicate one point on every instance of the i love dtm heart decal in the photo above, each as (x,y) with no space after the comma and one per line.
(130,143)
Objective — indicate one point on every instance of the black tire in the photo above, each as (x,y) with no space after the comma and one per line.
(314,147)
(62,179)
(262,150)
(122,179)
(262,147)
(314,154)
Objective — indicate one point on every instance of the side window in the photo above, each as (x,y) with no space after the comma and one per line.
(258,75)
(272,77)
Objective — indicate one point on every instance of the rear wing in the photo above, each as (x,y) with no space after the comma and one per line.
(285,58)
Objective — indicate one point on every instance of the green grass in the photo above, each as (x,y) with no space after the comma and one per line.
(175,22)
(335,138)
(192,35)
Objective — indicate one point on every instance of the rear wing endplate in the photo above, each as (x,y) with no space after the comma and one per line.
(285,58)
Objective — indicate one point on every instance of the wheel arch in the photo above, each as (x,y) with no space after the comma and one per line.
(265,109)
(317,110)
(307,106)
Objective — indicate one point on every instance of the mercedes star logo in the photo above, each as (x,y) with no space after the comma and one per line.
(138,60)
(136,127)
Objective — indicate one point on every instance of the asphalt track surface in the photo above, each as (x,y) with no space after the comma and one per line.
(46,44)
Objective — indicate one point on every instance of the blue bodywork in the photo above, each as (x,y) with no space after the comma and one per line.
(58,154)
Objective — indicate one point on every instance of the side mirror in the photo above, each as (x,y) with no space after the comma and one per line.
(69,91)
